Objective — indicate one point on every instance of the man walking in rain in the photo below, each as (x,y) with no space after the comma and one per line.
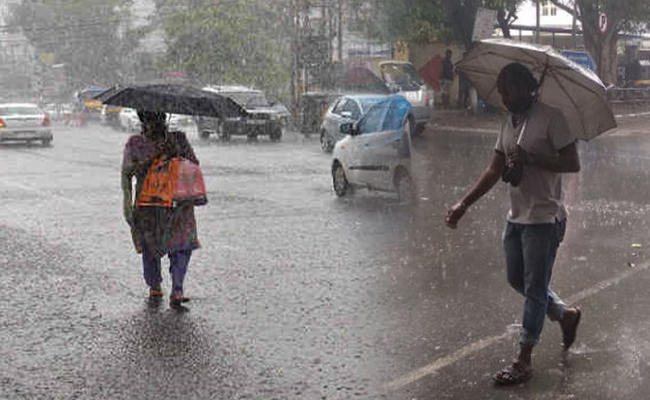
(533,150)
(446,78)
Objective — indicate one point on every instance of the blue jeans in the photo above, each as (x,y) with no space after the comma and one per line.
(530,254)
(178,262)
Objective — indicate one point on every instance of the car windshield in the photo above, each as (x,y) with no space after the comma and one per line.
(89,94)
(249,99)
(19,110)
(372,121)
(366,103)
(401,74)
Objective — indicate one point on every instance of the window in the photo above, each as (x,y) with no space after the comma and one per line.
(19,110)
(548,8)
(340,104)
(393,120)
(372,122)
(352,107)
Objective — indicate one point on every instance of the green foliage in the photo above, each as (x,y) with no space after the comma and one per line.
(426,20)
(406,20)
(630,16)
(627,15)
(82,35)
(228,42)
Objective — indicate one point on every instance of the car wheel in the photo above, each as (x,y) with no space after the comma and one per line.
(419,128)
(325,144)
(404,186)
(276,134)
(204,135)
(339,181)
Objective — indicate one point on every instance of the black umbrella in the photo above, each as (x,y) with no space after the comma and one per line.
(172,98)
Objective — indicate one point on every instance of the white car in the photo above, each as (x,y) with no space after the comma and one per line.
(24,122)
(376,151)
(345,109)
(128,119)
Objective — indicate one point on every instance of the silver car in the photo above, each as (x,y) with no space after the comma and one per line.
(402,77)
(345,109)
(24,122)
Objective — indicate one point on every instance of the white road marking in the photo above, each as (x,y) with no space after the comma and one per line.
(642,114)
(481,344)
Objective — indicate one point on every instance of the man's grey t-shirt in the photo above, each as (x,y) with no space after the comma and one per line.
(538,199)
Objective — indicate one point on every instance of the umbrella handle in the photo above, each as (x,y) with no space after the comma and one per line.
(542,78)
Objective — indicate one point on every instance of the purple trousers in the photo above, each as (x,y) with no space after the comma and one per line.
(178,262)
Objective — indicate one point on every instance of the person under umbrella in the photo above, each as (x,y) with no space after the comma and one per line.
(158,231)
(533,150)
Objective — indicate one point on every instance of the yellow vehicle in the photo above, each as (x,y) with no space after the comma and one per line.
(89,104)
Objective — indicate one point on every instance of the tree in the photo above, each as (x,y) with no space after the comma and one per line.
(84,36)
(622,16)
(450,20)
(460,16)
(227,42)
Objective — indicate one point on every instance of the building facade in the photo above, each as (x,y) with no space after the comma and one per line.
(18,80)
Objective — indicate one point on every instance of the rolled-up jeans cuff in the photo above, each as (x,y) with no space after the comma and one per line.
(526,341)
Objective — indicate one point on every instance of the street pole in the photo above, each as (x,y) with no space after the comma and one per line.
(294,71)
(538,16)
(574,26)
(340,31)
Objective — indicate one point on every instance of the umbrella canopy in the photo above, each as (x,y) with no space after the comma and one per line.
(172,98)
(567,86)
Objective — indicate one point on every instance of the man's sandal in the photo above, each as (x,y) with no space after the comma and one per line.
(513,374)
(155,292)
(569,334)
(177,300)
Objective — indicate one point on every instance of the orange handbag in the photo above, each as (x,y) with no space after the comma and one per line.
(172,181)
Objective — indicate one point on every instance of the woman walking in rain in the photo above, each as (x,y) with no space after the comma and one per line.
(158,231)
(533,149)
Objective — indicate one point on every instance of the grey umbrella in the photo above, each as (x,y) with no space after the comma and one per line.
(172,98)
(576,91)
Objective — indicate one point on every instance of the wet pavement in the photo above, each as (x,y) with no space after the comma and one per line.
(298,294)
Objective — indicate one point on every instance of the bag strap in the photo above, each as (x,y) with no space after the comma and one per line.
(521,132)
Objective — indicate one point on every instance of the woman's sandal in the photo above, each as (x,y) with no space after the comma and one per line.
(513,374)
(155,292)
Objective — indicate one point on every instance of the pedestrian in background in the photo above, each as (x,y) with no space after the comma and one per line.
(533,150)
(158,231)
(464,86)
(446,78)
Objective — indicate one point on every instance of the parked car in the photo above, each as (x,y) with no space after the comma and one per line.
(24,122)
(264,118)
(345,109)
(128,119)
(402,77)
(376,151)
(177,122)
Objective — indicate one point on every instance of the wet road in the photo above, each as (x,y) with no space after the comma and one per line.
(298,294)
